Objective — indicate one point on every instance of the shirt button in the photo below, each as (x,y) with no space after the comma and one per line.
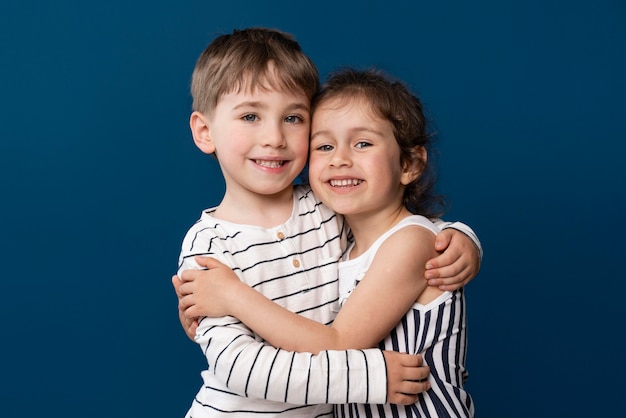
(296,263)
(280,235)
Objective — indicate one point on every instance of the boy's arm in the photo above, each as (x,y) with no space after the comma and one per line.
(255,369)
(461,227)
(460,261)
(392,284)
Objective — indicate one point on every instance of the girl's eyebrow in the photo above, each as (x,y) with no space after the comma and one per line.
(351,131)
(319,133)
(365,129)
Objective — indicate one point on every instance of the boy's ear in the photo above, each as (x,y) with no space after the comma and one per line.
(413,167)
(201,133)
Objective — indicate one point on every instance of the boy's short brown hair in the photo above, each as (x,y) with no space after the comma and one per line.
(241,60)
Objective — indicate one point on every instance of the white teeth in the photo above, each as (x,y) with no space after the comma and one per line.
(345,182)
(269,163)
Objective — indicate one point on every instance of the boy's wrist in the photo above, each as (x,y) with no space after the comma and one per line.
(469,233)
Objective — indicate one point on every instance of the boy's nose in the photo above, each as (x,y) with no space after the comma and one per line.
(274,137)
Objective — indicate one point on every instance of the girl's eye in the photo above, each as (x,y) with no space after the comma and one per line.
(324,148)
(294,119)
(250,117)
(362,144)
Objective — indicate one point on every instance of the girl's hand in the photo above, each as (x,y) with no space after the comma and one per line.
(208,292)
(189,324)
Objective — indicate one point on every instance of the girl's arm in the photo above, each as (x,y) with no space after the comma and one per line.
(392,284)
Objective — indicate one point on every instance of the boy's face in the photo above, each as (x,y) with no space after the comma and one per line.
(354,163)
(261,139)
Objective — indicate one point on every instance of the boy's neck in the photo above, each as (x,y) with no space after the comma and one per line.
(266,211)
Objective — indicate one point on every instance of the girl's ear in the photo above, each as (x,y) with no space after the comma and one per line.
(201,133)
(414,165)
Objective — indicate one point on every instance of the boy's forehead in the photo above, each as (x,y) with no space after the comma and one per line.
(253,90)
(266,81)
(264,94)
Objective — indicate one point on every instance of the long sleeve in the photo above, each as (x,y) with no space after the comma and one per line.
(254,369)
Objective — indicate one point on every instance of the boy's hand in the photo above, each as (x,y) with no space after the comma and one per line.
(406,377)
(458,264)
(189,324)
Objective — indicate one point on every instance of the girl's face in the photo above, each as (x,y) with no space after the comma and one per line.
(354,160)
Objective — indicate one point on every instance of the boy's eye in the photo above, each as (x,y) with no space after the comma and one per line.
(250,117)
(294,119)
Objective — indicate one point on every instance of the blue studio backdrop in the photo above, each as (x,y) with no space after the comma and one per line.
(100,180)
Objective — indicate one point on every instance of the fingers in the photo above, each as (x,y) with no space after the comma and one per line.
(208,262)
(442,241)
(456,266)
(447,272)
(189,323)
(185,288)
(444,266)
(458,273)
(451,280)
(188,308)
(402,399)
(406,377)
(191,331)
(409,392)
(413,368)
(410,360)
(188,275)
(191,313)
(192,274)
(187,299)
(185,302)
(185,296)
(176,283)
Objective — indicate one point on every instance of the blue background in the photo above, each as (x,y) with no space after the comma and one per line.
(100,180)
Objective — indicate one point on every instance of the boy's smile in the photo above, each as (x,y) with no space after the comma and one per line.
(270,163)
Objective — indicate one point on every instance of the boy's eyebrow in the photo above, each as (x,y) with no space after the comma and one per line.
(262,105)
(300,105)
(249,103)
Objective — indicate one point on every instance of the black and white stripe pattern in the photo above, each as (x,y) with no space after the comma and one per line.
(294,264)
(436,330)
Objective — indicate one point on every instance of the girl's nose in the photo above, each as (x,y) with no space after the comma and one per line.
(340,157)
